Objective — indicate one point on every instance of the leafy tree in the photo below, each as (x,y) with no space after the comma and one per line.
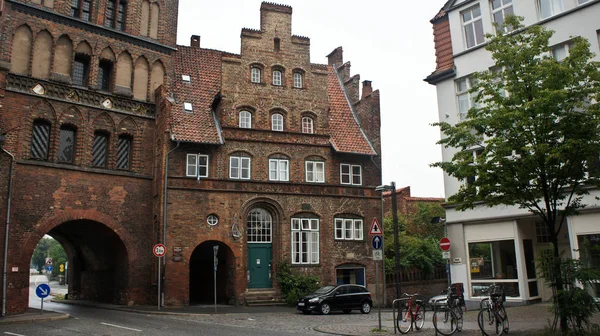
(38,259)
(418,238)
(58,255)
(49,248)
(536,125)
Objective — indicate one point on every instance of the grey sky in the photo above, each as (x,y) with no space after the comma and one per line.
(387,41)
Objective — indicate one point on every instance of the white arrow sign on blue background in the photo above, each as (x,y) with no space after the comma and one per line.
(42,291)
(377,242)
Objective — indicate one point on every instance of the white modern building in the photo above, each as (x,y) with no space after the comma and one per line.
(500,244)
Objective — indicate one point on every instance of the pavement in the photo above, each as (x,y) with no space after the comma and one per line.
(524,320)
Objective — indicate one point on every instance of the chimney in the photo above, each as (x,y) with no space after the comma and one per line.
(195,41)
(366,89)
(336,57)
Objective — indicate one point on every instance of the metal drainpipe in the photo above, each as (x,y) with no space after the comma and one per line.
(164,240)
(10,182)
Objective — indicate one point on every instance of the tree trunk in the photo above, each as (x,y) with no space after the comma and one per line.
(558,283)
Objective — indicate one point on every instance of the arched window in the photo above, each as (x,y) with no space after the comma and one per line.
(124,70)
(307,125)
(124,152)
(277,77)
(42,55)
(81,9)
(298,80)
(256,74)
(40,140)
(116,10)
(245,119)
(157,78)
(154,14)
(63,56)
(259,226)
(66,145)
(145,21)
(277,122)
(100,149)
(140,79)
(21,50)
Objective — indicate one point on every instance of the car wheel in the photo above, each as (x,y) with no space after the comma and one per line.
(365,308)
(306,312)
(347,311)
(325,308)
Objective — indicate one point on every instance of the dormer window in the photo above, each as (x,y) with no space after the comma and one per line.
(255,74)
(188,107)
(186,78)
(277,77)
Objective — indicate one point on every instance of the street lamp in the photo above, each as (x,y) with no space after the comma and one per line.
(392,188)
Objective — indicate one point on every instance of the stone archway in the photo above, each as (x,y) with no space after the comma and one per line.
(202,274)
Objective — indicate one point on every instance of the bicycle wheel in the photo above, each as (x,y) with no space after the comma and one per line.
(445,321)
(459,318)
(420,317)
(489,322)
(404,320)
(504,316)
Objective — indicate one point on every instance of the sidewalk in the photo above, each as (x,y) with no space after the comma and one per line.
(34,315)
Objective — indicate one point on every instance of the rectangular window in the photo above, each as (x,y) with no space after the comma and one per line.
(315,171)
(464,97)
(279,170)
(305,241)
(80,70)
(100,150)
(351,174)
(501,9)
(307,125)
(473,26)
(297,80)
(75,8)
(245,119)
(109,16)
(86,8)
(490,261)
(197,165)
(255,74)
(561,51)
(124,153)
(66,146)
(239,167)
(476,153)
(583,1)
(121,12)
(549,8)
(542,233)
(277,77)
(104,75)
(348,229)
(40,141)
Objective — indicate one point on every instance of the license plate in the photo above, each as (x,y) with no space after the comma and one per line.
(301,304)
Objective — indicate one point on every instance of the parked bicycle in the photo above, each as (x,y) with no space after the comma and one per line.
(492,318)
(411,312)
(448,312)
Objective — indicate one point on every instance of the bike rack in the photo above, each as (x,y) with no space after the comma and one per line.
(436,304)
(394,311)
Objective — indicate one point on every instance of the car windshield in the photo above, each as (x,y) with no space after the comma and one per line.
(325,289)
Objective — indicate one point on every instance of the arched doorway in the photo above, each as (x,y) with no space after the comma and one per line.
(259,235)
(97,261)
(202,274)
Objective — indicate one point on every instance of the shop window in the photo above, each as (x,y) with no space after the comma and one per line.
(493,263)
(350,275)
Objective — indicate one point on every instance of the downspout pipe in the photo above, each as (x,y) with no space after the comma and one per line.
(7,230)
(165,199)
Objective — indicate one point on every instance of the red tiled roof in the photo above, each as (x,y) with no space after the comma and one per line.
(346,134)
(204,68)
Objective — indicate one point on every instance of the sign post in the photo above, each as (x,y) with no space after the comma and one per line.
(42,291)
(216,263)
(159,251)
(445,246)
(377,243)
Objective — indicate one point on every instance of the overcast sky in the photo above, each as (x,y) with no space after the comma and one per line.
(387,41)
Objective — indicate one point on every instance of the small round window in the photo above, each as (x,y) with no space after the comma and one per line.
(212,220)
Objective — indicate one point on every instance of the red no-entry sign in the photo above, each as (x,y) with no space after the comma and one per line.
(445,244)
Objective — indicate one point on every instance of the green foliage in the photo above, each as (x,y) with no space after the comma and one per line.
(49,248)
(38,259)
(418,238)
(295,285)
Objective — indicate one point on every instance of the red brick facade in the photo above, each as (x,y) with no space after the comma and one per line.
(108,218)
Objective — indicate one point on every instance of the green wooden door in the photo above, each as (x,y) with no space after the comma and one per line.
(259,265)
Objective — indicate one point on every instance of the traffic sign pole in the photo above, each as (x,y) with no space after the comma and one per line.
(158,277)
(159,251)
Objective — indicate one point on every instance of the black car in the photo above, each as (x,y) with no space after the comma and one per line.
(341,297)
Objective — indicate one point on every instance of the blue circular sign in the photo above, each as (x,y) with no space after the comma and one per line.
(49,268)
(42,291)
(377,242)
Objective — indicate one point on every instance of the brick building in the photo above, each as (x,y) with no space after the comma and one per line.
(268,156)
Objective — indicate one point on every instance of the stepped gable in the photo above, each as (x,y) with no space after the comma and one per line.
(204,68)
(345,131)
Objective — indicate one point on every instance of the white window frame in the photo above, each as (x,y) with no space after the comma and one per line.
(349,229)
(350,175)
(188,107)
(277,77)
(505,6)
(305,231)
(298,80)
(463,95)
(564,47)
(312,168)
(308,125)
(186,78)
(196,165)
(255,74)
(277,122)
(239,172)
(279,170)
(245,119)
(553,6)
(472,24)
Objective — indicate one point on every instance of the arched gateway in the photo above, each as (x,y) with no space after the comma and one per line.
(202,273)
